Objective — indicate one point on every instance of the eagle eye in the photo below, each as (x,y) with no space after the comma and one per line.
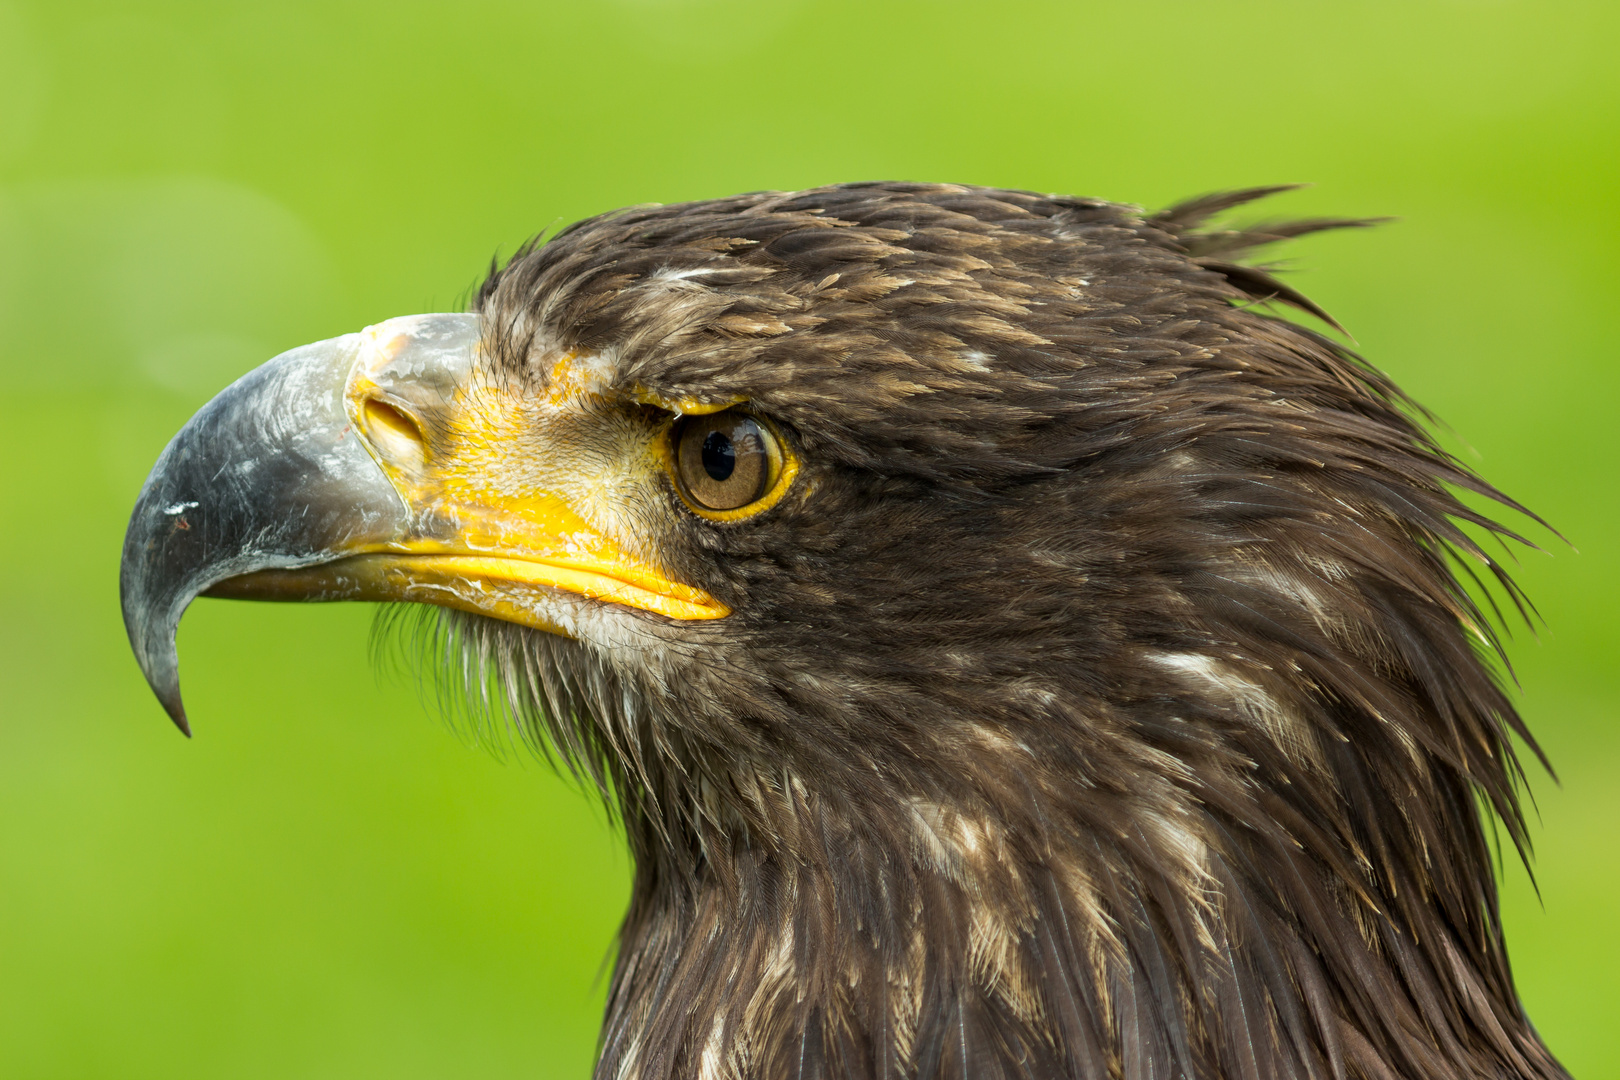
(727,464)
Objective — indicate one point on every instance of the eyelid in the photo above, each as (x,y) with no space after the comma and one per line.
(682,406)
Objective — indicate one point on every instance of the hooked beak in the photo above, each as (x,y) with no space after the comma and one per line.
(350,470)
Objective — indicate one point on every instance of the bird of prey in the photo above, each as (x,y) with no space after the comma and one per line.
(1011,646)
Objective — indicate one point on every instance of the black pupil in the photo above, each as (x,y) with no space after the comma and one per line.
(719,456)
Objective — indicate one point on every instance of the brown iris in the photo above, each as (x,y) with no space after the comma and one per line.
(725,460)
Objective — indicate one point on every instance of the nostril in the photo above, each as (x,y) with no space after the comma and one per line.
(395,434)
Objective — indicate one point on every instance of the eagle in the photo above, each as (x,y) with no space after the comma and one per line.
(1012,646)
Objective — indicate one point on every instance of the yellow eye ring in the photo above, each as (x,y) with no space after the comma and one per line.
(728,465)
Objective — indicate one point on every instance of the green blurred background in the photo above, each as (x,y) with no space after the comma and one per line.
(326,882)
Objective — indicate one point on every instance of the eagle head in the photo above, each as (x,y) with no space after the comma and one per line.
(1011,648)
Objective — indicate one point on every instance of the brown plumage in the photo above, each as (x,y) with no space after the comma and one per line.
(1101,703)
(1098,699)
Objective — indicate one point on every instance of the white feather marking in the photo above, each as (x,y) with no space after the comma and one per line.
(669,273)
(1251,701)
(713,1056)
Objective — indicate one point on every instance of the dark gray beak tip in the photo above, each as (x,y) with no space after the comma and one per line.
(154,645)
(207,511)
(177,713)
(269,475)
(164,680)
(168,696)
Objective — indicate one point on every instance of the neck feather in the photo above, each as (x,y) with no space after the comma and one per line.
(1184,904)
